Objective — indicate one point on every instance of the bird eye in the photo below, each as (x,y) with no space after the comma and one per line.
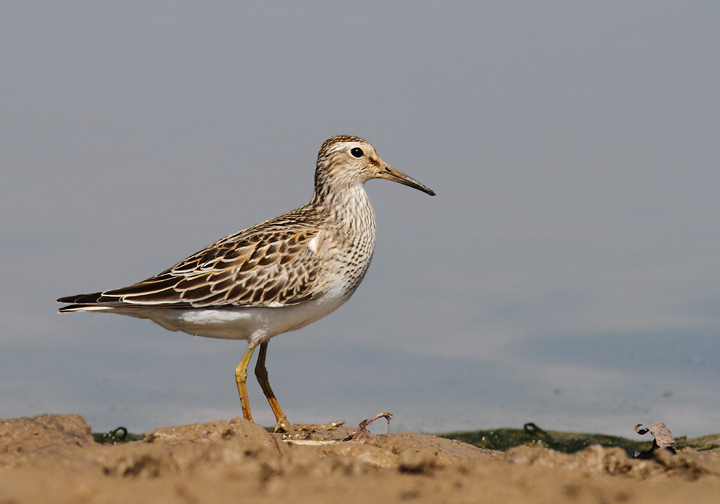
(357,152)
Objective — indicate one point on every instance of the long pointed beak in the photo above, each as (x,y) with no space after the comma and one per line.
(391,173)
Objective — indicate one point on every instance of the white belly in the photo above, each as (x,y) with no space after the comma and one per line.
(254,324)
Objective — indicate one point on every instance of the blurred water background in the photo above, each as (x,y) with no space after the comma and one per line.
(566,273)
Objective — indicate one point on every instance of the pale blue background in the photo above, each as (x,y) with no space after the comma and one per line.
(566,273)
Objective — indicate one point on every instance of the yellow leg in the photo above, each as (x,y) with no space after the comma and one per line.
(262,377)
(241,379)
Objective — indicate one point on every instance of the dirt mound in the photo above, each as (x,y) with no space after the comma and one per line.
(53,458)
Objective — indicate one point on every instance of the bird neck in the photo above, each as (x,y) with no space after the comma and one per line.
(348,206)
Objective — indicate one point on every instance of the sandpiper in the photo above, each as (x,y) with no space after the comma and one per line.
(271,278)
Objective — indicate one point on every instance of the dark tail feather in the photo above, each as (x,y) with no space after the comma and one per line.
(86,302)
(82,298)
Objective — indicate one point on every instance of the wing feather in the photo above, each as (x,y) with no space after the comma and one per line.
(255,267)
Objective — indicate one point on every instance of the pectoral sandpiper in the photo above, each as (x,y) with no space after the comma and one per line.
(274,277)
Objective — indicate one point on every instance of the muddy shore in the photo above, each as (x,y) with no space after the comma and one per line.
(54,458)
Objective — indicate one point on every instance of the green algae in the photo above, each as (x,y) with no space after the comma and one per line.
(569,442)
(119,435)
(532,435)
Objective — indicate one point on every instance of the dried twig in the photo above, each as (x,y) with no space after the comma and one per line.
(362,434)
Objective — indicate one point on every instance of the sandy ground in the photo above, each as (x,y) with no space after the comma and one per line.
(53,458)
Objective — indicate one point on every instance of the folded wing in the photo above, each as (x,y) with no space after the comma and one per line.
(269,269)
